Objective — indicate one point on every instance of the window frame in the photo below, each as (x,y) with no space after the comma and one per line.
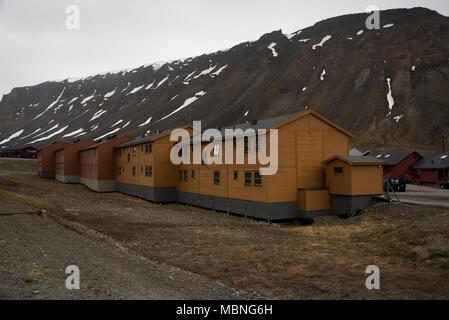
(257,178)
(250,183)
(338,172)
(216,177)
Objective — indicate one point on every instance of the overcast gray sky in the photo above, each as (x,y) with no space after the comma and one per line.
(36,46)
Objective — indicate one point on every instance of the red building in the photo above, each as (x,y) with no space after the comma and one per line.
(25,153)
(432,168)
(97,164)
(67,161)
(46,160)
(398,164)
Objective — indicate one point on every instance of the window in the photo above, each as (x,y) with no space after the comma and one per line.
(134,151)
(193,174)
(146,171)
(128,157)
(246,144)
(236,174)
(146,148)
(338,170)
(150,171)
(216,177)
(257,179)
(180,175)
(134,171)
(141,147)
(248,179)
(150,148)
(216,150)
(185,175)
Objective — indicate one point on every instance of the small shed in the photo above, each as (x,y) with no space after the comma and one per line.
(353,181)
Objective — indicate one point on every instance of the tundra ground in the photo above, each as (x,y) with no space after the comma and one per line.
(326,260)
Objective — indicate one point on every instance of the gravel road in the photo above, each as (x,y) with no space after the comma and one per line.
(35,251)
(419,194)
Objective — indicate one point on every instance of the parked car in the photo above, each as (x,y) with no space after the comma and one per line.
(444,184)
(398,185)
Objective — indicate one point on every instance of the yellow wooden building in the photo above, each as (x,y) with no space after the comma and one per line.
(144,169)
(304,141)
(353,181)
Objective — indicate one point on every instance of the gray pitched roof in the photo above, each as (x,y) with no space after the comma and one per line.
(263,123)
(391,158)
(143,139)
(362,159)
(98,144)
(255,125)
(432,161)
(355,152)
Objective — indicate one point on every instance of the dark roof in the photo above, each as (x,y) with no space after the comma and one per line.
(20,148)
(144,139)
(99,144)
(356,159)
(432,161)
(255,125)
(362,159)
(262,124)
(391,158)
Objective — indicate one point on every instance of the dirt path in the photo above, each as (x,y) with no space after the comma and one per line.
(326,260)
(34,252)
(419,194)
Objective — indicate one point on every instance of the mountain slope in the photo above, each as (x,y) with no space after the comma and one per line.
(349,76)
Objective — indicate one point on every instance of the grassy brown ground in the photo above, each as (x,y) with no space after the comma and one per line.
(326,260)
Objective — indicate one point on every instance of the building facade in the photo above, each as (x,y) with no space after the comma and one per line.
(67,161)
(304,141)
(398,165)
(46,160)
(432,168)
(97,165)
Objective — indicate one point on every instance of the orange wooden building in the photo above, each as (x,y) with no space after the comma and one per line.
(144,168)
(304,141)
(97,164)
(46,159)
(67,161)
(353,181)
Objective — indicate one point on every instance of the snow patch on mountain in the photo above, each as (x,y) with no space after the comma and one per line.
(73,133)
(320,44)
(390,99)
(98,114)
(14,135)
(146,122)
(50,135)
(186,103)
(273,51)
(51,104)
(107,134)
